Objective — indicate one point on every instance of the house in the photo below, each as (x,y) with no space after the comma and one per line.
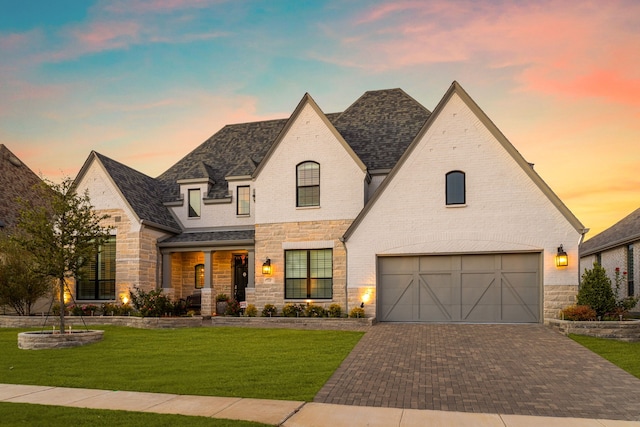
(415,215)
(16,181)
(614,249)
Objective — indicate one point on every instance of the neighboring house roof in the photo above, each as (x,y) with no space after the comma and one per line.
(16,181)
(140,191)
(625,231)
(455,88)
(210,238)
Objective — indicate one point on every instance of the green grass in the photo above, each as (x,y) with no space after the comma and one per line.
(23,414)
(235,362)
(625,355)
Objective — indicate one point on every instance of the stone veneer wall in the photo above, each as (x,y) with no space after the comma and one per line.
(557,297)
(268,244)
(222,272)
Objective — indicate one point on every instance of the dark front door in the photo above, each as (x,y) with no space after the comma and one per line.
(240,276)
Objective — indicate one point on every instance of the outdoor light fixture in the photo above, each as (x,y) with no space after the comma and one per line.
(266,267)
(562,259)
(124,298)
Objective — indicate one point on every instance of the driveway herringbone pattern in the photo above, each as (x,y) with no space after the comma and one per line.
(504,369)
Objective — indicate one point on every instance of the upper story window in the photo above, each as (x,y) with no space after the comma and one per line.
(308,184)
(194,203)
(456,192)
(242,200)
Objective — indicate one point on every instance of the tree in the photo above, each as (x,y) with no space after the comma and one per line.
(21,283)
(63,235)
(596,291)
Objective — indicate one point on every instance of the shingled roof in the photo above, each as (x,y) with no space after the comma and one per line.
(625,231)
(16,181)
(380,125)
(141,192)
(234,150)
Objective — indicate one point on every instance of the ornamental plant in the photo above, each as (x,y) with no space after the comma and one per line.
(578,313)
(334,310)
(596,291)
(357,312)
(269,310)
(151,304)
(251,311)
(313,310)
(293,310)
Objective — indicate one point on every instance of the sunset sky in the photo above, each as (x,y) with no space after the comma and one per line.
(145,82)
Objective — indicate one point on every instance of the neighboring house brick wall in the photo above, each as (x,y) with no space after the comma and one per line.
(270,239)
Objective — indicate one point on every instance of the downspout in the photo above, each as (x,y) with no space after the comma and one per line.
(582,234)
(346,275)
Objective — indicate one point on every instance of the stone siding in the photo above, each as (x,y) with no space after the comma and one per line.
(269,239)
(557,297)
(623,331)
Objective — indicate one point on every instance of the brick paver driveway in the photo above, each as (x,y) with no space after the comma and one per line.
(505,369)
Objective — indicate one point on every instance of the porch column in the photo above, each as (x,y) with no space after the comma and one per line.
(206,293)
(167,289)
(251,283)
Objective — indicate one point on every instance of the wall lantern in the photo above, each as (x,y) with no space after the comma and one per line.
(266,267)
(562,259)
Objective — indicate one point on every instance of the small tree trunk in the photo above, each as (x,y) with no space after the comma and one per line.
(62,307)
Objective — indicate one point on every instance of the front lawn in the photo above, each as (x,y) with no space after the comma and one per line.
(625,355)
(236,362)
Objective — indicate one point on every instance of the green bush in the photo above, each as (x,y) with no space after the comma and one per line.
(596,292)
(578,313)
(313,310)
(269,310)
(293,310)
(357,312)
(335,310)
(251,311)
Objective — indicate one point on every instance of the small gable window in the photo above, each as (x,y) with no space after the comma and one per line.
(455,188)
(194,203)
(308,184)
(243,200)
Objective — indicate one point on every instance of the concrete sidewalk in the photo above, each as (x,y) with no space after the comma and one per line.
(280,412)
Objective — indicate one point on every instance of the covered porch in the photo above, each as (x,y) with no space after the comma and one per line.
(205,264)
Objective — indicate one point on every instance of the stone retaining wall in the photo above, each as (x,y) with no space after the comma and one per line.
(622,331)
(190,322)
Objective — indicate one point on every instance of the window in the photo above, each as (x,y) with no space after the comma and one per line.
(242,200)
(199,276)
(309,274)
(630,288)
(194,203)
(308,184)
(97,279)
(456,188)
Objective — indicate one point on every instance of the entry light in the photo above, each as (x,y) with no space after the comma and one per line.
(562,259)
(266,267)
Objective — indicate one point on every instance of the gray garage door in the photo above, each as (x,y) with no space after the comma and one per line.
(459,288)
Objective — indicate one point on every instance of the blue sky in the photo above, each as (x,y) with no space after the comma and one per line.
(145,82)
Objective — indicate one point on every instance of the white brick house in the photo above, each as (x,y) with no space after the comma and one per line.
(420,216)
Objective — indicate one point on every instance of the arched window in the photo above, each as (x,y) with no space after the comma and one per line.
(308,184)
(455,188)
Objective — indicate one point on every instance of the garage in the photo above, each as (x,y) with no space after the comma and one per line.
(482,288)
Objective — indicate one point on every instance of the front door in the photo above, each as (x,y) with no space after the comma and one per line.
(240,276)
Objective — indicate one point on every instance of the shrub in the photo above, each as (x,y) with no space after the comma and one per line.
(76,310)
(335,310)
(111,309)
(357,312)
(151,304)
(313,310)
(251,311)
(233,309)
(578,313)
(596,292)
(269,310)
(293,310)
(623,304)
